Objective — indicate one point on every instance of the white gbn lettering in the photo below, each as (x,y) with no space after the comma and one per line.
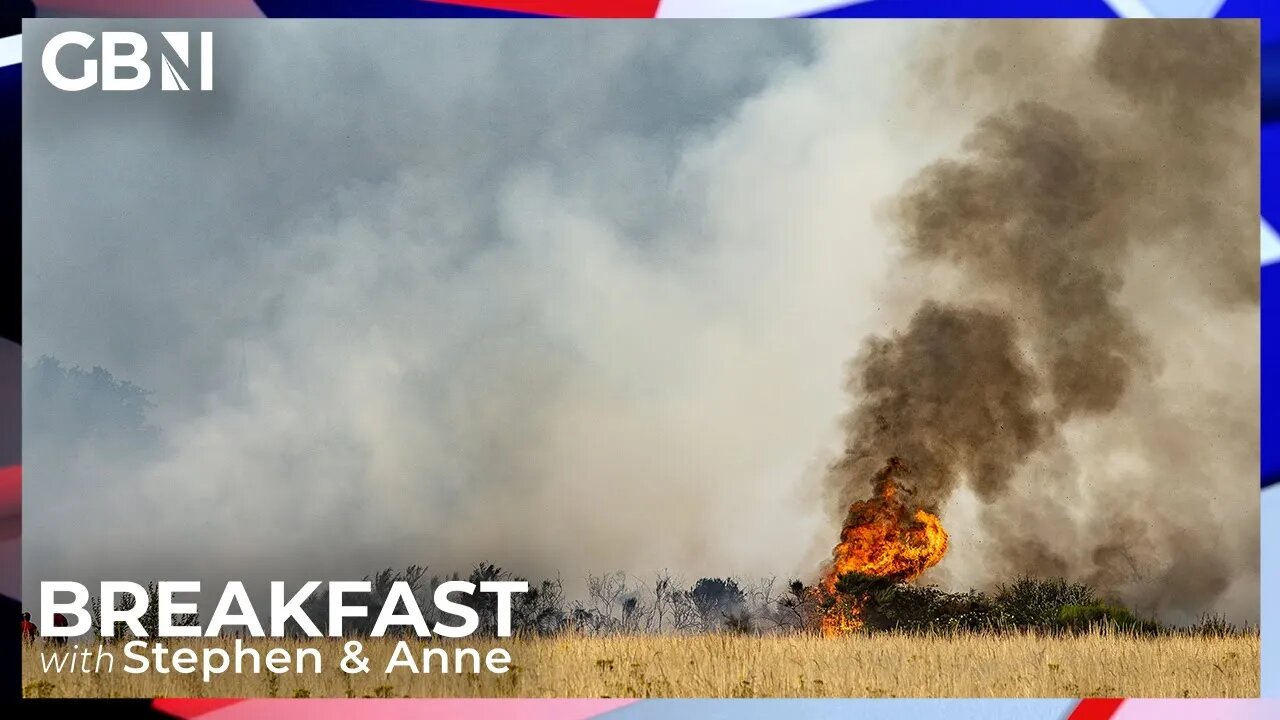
(123,63)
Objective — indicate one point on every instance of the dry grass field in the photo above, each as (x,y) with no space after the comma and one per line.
(881,665)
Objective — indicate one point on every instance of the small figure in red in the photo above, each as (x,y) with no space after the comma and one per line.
(29,631)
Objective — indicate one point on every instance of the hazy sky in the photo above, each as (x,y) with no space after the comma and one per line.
(563,296)
(497,293)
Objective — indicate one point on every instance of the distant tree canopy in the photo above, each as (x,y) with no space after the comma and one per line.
(540,611)
(70,405)
(718,601)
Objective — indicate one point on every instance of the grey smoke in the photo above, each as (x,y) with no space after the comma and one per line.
(1093,168)
(455,294)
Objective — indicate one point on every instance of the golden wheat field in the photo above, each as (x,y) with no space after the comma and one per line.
(882,665)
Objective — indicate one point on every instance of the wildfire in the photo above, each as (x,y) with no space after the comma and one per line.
(882,537)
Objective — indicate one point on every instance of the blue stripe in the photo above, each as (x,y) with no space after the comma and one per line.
(1240,9)
(1270,161)
(1271,82)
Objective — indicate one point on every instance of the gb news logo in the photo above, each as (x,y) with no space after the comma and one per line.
(128,61)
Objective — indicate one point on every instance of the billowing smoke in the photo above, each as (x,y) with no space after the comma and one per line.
(576,317)
(1095,171)
(951,393)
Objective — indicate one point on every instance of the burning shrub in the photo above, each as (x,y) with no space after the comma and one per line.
(886,535)
(885,541)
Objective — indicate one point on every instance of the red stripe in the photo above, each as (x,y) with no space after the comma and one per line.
(570,8)
(400,709)
(246,8)
(1096,709)
(1087,709)
(10,491)
(190,707)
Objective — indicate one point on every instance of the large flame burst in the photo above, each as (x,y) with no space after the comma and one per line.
(882,537)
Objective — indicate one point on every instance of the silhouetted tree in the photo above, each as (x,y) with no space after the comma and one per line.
(71,405)
(716,600)
(540,611)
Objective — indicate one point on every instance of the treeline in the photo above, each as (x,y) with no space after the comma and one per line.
(615,603)
(618,603)
(1047,606)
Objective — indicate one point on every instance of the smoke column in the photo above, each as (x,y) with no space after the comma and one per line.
(1097,176)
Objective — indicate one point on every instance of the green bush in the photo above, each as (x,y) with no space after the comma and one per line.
(1036,603)
(1097,616)
(1027,604)
(890,605)
(970,611)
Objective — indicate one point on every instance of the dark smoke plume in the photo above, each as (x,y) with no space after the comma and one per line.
(952,395)
(1027,211)
(1143,151)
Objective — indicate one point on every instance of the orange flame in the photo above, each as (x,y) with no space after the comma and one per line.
(882,537)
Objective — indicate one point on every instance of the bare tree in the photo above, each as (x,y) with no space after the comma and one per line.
(662,588)
(316,606)
(762,604)
(605,594)
(684,612)
(541,610)
(798,608)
